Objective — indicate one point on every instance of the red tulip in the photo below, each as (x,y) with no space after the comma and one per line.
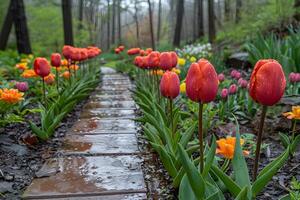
(202,82)
(232,89)
(267,82)
(168,60)
(41,67)
(224,93)
(121,48)
(133,51)
(221,77)
(170,85)
(138,61)
(117,51)
(67,51)
(56,60)
(154,59)
(149,50)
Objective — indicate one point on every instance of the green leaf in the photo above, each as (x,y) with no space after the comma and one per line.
(232,187)
(284,139)
(196,181)
(210,157)
(185,190)
(166,160)
(295,143)
(239,164)
(266,174)
(186,136)
(243,194)
(38,132)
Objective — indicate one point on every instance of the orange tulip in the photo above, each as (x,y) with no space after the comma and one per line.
(267,82)
(22,66)
(29,73)
(168,60)
(50,79)
(170,85)
(202,82)
(226,147)
(66,74)
(56,60)
(10,96)
(41,67)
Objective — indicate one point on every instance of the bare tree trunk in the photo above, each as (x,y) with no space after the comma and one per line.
(151,25)
(108,24)
(67,19)
(238,10)
(158,22)
(227,10)
(180,10)
(211,21)
(200,19)
(297,8)
(80,15)
(119,23)
(113,22)
(6,27)
(195,19)
(22,35)
(137,23)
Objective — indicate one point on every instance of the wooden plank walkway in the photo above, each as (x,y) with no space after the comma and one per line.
(100,158)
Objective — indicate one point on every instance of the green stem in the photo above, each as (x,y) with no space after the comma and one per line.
(171,117)
(259,140)
(200,131)
(44,90)
(57,81)
(294,129)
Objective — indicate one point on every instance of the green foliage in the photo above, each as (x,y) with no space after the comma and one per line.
(257,16)
(55,110)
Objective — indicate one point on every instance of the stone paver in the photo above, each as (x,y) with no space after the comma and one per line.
(99,158)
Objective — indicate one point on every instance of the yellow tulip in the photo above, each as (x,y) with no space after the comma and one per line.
(193,59)
(181,61)
(182,87)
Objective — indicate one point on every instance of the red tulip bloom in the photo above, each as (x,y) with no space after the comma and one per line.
(121,48)
(267,82)
(138,61)
(56,60)
(67,51)
(224,93)
(168,60)
(117,51)
(154,59)
(202,82)
(149,50)
(170,85)
(233,89)
(41,67)
(133,51)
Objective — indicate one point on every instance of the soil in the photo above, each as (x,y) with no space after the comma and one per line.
(20,162)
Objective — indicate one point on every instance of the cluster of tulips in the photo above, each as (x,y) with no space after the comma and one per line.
(119,49)
(202,84)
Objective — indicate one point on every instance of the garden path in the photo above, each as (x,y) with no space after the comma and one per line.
(100,158)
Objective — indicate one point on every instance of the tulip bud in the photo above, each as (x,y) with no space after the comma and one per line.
(221,77)
(297,77)
(224,93)
(56,60)
(170,85)
(117,51)
(121,48)
(237,75)
(133,51)
(202,82)
(232,89)
(168,60)
(154,59)
(267,82)
(293,77)
(242,83)
(41,67)
(233,73)
(49,80)
(22,86)
(138,61)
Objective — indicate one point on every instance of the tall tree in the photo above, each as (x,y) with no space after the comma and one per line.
(119,23)
(200,19)
(158,22)
(113,21)
(211,21)
(22,35)
(6,27)
(297,9)
(238,10)
(151,25)
(136,19)
(108,24)
(179,11)
(67,19)
(80,15)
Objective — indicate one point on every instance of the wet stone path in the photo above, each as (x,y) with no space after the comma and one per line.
(100,158)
